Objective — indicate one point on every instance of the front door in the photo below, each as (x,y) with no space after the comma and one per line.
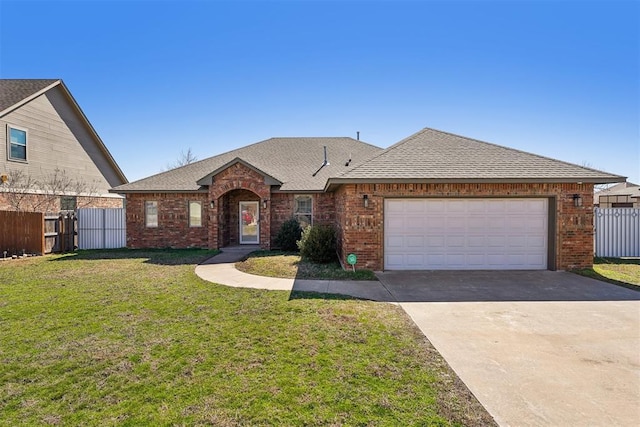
(249,223)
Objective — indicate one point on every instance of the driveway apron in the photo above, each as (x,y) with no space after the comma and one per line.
(536,348)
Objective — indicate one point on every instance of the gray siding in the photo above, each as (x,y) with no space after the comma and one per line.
(57,138)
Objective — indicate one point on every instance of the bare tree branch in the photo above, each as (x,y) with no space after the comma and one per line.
(183,159)
(25,193)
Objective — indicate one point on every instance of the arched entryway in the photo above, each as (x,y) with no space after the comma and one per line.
(240,218)
(239,208)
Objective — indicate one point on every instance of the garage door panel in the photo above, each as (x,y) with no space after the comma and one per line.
(476,260)
(516,241)
(396,223)
(394,261)
(496,259)
(496,241)
(415,261)
(476,223)
(516,206)
(476,242)
(495,223)
(436,206)
(495,206)
(434,260)
(536,242)
(536,225)
(455,241)
(466,233)
(415,242)
(436,241)
(476,207)
(456,223)
(456,206)
(435,222)
(414,206)
(455,260)
(538,206)
(395,242)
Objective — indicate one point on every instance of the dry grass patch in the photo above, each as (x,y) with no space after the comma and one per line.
(619,271)
(289,266)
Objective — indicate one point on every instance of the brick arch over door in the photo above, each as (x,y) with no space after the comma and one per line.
(229,186)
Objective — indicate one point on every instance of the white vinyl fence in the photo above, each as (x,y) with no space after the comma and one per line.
(617,232)
(101,228)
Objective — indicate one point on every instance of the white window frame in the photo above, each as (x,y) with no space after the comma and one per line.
(147,223)
(9,143)
(192,223)
(297,214)
(64,200)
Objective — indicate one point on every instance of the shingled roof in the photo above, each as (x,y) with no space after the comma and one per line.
(623,189)
(13,91)
(289,161)
(435,156)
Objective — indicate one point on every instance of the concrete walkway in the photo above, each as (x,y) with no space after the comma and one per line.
(221,269)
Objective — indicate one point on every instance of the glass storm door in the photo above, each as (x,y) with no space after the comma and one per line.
(249,223)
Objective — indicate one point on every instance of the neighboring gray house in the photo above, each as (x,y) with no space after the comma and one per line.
(51,158)
(623,195)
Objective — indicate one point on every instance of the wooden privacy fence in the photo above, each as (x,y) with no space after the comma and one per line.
(21,232)
(617,232)
(60,233)
(101,228)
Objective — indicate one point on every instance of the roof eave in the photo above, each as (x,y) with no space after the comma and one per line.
(333,182)
(157,191)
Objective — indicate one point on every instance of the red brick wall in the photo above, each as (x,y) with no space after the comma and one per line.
(282,206)
(173,221)
(49,204)
(360,229)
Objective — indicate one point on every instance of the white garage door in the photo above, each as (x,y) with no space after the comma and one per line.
(471,234)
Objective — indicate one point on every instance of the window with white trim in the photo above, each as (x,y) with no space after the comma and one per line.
(68,203)
(151,213)
(195,214)
(303,209)
(17,141)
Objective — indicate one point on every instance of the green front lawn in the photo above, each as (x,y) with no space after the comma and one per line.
(289,265)
(135,338)
(620,271)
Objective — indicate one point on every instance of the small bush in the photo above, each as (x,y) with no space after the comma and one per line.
(318,244)
(288,235)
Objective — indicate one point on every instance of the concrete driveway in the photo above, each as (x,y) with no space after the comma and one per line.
(536,348)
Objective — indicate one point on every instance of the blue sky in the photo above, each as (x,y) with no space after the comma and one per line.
(557,78)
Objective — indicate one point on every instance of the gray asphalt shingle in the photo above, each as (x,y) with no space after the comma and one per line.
(291,161)
(13,91)
(436,155)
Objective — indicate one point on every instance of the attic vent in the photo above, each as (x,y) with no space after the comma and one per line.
(325,163)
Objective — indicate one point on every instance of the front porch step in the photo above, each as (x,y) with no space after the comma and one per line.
(241,248)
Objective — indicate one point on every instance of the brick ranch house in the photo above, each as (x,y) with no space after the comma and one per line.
(432,201)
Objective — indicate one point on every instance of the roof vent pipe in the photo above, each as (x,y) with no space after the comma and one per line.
(358,135)
(325,163)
